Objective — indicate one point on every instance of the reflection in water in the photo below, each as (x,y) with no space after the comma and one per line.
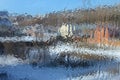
(102,70)
(62,64)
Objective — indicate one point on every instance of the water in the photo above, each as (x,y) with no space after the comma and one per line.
(108,71)
(63,63)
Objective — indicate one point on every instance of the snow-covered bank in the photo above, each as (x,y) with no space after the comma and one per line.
(46,37)
(17,39)
(82,50)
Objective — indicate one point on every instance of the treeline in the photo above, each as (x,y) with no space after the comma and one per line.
(109,14)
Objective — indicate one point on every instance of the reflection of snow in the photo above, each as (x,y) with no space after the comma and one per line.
(96,72)
(101,71)
(99,75)
(9,60)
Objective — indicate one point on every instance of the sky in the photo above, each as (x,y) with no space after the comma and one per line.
(46,6)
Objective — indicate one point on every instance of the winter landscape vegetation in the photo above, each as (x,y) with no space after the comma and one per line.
(73,44)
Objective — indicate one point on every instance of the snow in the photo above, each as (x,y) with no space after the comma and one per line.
(27,38)
(17,39)
(67,48)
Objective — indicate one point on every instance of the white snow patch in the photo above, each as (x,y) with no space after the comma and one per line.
(65,48)
(46,37)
